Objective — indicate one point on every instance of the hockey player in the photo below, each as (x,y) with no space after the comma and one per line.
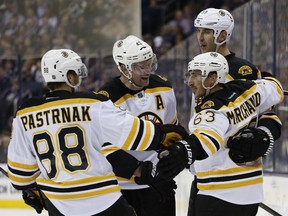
(150,97)
(214,30)
(229,182)
(59,143)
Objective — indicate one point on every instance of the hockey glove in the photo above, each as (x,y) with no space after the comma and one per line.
(250,144)
(164,189)
(172,133)
(32,198)
(174,159)
(148,175)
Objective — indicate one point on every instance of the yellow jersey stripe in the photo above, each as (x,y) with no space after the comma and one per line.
(109,149)
(242,169)
(76,182)
(82,195)
(22,179)
(133,132)
(158,89)
(56,103)
(26,167)
(230,185)
(13,204)
(213,134)
(206,141)
(242,97)
(147,136)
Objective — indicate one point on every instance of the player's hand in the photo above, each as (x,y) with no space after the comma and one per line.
(33,199)
(250,144)
(174,159)
(148,174)
(173,133)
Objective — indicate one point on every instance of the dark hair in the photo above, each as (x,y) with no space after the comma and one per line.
(54,85)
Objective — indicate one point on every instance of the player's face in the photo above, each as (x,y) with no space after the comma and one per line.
(194,81)
(206,40)
(141,72)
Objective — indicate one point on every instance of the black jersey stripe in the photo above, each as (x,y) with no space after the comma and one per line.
(216,144)
(79,188)
(229,178)
(22,173)
(139,135)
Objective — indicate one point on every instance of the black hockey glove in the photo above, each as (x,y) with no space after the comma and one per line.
(250,144)
(164,189)
(174,159)
(172,133)
(32,198)
(149,173)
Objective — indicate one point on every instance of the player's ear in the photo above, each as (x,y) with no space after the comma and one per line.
(123,69)
(212,78)
(222,36)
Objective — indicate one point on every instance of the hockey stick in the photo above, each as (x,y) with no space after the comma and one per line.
(262,205)
(30,192)
(268,209)
(4,172)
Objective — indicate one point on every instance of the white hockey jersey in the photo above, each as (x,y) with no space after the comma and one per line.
(57,142)
(156,102)
(219,116)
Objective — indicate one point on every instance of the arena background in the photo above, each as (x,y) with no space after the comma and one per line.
(90,27)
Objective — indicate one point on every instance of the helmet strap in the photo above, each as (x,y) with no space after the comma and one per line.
(206,87)
(130,79)
(75,87)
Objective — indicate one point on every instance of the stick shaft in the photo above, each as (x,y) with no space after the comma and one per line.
(4,172)
(268,209)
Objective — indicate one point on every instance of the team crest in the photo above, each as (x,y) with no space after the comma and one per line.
(150,116)
(120,43)
(207,104)
(245,70)
(105,93)
(222,13)
(64,54)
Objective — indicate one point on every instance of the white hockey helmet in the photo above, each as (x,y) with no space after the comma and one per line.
(132,50)
(217,20)
(57,62)
(210,62)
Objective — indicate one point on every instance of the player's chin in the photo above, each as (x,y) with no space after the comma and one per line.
(145,81)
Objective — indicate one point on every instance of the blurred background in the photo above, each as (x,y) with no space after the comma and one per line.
(28,28)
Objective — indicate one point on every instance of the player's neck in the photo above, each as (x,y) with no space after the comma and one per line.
(223,50)
(126,82)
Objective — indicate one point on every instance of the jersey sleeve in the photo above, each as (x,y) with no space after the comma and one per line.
(272,122)
(126,131)
(208,129)
(22,165)
(271,93)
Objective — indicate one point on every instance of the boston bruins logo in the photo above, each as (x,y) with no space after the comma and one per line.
(64,54)
(245,70)
(150,116)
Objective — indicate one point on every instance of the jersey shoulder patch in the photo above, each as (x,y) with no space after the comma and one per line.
(242,69)
(158,81)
